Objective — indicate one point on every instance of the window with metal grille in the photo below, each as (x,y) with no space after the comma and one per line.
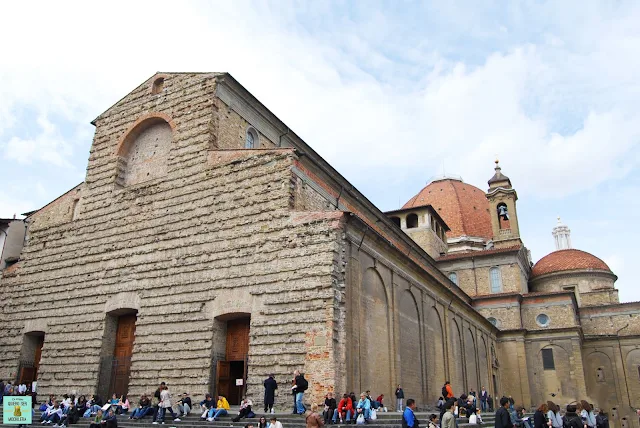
(496,280)
(547,359)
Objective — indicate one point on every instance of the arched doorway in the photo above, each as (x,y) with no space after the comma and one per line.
(30,356)
(117,350)
(231,333)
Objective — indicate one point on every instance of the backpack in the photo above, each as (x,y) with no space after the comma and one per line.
(304,385)
(444,392)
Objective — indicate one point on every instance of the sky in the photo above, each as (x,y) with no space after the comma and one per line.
(390,93)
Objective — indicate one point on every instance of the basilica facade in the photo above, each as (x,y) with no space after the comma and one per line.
(209,246)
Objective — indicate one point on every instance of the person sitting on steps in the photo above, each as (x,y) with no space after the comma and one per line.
(144,407)
(245,410)
(206,405)
(344,410)
(363,407)
(221,409)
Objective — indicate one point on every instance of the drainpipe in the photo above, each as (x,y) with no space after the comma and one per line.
(624,368)
(475,275)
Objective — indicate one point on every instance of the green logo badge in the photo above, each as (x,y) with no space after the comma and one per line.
(16,410)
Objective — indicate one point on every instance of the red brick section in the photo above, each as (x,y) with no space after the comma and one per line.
(468,254)
(571,259)
(462,206)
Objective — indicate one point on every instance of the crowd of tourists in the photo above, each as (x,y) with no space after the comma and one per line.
(347,409)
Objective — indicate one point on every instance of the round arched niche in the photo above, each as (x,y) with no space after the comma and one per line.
(143,151)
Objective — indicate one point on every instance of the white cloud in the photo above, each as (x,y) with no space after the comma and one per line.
(47,146)
(561,108)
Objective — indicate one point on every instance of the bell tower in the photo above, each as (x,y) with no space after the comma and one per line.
(502,199)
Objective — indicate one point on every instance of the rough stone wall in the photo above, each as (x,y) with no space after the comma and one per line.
(507,315)
(598,298)
(230,128)
(415,350)
(206,233)
(561,313)
(621,319)
(582,281)
(307,198)
(474,279)
(512,356)
(612,377)
(428,240)
(567,380)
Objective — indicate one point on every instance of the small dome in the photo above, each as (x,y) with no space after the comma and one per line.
(567,260)
(462,206)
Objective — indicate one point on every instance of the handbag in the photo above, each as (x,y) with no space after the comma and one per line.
(373,415)
(360,419)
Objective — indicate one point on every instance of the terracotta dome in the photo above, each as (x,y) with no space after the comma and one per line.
(462,206)
(566,260)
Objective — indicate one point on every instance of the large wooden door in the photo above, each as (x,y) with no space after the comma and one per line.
(223,378)
(237,339)
(122,353)
(29,372)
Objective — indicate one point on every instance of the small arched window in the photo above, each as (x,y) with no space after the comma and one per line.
(496,280)
(493,321)
(453,277)
(158,85)
(412,221)
(251,141)
(396,220)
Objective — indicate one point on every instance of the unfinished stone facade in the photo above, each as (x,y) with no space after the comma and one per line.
(209,247)
(189,225)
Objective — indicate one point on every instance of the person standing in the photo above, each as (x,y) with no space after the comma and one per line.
(299,387)
(399,398)
(553,414)
(448,419)
(165,405)
(483,399)
(270,386)
(503,418)
(409,419)
(447,391)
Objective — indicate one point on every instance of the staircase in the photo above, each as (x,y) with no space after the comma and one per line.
(385,420)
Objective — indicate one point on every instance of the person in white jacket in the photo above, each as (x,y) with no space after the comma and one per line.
(274,423)
(165,405)
(587,414)
(53,414)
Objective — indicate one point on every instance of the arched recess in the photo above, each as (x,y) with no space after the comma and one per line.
(374,335)
(558,380)
(456,360)
(483,362)
(143,150)
(633,373)
(600,379)
(435,354)
(410,347)
(470,361)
